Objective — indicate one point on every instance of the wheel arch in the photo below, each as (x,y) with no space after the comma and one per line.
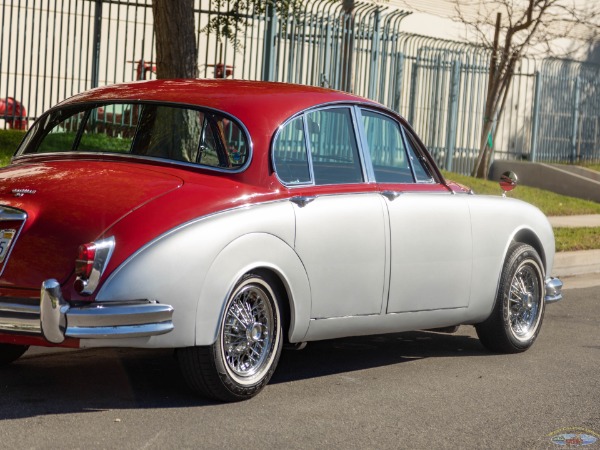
(529,237)
(260,253)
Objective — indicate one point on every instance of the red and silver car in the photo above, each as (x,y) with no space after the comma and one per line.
(225,219)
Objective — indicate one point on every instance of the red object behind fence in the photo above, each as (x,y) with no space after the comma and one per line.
(14,113)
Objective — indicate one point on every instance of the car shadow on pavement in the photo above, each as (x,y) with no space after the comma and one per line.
(109,379)
(337,356)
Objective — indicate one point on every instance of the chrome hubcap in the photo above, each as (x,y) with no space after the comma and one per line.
(247,338)
(525,301)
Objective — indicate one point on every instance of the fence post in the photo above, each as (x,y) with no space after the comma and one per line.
(397,86)
(374,81)
(326,77)
(573,157)
(535,119)
(96,44)
(268,72)
(413,92)
(452,114)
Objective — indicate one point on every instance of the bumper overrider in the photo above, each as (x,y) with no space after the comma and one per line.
(553,290)
(55,319)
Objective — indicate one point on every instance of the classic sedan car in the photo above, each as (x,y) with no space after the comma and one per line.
(226,219)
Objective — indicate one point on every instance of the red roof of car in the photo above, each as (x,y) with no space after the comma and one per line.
(250,101)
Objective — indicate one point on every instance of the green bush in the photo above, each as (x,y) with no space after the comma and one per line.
(9,141)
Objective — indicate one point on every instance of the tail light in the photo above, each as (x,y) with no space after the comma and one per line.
(85,260)
(92,259)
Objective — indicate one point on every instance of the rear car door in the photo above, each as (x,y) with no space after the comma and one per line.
(340,227)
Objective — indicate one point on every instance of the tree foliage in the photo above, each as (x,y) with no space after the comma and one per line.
(231,24)
(517,27)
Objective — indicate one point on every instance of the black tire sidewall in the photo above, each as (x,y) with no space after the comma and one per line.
(521,254)
(236,389)
(495,332)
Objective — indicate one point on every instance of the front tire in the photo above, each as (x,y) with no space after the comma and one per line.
(10,353)
(242,360)
(518,312)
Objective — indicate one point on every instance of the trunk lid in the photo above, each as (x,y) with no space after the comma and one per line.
(67,203)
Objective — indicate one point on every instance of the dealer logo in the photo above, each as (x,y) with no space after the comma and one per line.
(574,437)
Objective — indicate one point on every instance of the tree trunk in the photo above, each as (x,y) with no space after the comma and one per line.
(174,27)
(482,163)
(176,57)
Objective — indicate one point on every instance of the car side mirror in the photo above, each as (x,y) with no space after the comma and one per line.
(508,181)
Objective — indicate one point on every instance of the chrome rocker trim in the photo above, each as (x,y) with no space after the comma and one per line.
(553,290)
(56,320)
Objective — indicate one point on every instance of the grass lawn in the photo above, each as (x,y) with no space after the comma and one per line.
(9,141)
(595,167)
(569,239)
(550,203)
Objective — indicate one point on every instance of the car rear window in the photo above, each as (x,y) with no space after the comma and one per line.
(150,130)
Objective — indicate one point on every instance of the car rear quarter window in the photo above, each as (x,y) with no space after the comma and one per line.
(163,131)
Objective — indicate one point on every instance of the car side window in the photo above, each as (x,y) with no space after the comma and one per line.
(333,146)
(386,148)
(290,156)
(422,173)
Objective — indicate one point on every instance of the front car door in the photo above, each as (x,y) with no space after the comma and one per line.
(430,229)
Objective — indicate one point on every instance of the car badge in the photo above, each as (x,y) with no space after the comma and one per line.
(22,192)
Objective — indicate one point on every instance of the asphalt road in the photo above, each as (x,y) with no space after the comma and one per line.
(408,390)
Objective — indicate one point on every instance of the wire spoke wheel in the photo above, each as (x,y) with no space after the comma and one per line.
(247,331)
(249,340)
(524,301)
(518,310)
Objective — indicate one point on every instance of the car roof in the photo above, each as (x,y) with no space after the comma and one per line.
(269,103)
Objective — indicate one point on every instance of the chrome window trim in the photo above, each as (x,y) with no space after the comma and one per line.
(303,113)
(20,155)
(368,171)
(417,151)
(308,148)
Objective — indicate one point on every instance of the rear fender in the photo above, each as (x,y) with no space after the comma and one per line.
(245,254)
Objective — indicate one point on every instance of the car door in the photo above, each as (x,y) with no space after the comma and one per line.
(430,229)
(340,227)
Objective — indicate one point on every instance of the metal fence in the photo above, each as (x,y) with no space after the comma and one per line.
(52,49)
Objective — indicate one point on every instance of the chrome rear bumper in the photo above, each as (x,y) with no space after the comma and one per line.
(55,319)
(553,290)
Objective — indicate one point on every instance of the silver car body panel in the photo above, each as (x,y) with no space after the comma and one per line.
(195,267)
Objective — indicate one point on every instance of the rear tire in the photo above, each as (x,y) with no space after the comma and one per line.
(518,312)
(242,360)
(10,353)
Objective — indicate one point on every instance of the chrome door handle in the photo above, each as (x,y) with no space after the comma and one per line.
(391,195)
(302,201)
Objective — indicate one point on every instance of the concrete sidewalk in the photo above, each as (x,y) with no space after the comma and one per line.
(577,270)
(582,268)
(588,220)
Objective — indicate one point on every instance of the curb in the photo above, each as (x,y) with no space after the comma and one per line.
(568,264)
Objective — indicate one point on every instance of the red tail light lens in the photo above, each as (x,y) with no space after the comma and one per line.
(85,260)
(91,261)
